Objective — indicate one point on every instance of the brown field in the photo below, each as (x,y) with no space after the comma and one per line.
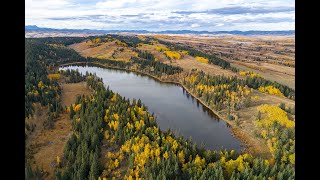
(236,47)
(44,145)
(107,50)
(273,72)
(71,91)
(260,54)
(188,63)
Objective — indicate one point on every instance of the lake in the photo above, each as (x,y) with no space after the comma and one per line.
(173,107)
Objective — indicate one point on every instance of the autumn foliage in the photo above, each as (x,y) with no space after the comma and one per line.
(116,138)
(278,130)
(271,90)
(55,76)
(202,59)
(249,73)
(137,149)
(172,54)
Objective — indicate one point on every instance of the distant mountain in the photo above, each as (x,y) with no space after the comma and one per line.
(29,28)
(289,32)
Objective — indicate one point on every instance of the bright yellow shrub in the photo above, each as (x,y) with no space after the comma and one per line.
(77,107)
(121,43)
(249,73)
(271,90)
(161,48)
(202,59)
(274,113)
(184,52)
(166,155)
(54,76)
(173,54)
(292,158)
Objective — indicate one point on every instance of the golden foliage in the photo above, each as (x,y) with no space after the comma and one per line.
(292,158)
(58,160)
(256,98)
(113,125)
(270,133)
(121,43)
(77,107)
(249,73)
(181,157)
(166,155)
(271,90)
(162,48)
(172,54)
(274,113)
(202,59)
(184,52)
(96,40)
(54,76)
(107,135)
(238,164)
(114,98)
(143,38)
(199,162)
(41,85)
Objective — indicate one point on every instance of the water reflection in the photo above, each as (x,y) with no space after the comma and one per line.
(172,105)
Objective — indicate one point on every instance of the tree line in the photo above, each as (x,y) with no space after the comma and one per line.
(256,82)
(59,40)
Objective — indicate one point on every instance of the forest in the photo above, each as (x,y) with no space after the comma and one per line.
(38,87)
(138,149)
(114,137)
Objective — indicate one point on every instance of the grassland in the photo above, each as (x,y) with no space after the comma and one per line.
(265,55)
(282,74)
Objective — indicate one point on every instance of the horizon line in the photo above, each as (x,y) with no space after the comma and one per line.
(156,31)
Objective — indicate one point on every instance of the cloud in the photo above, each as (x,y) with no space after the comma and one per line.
(241,10)
(162,14)
(195,25)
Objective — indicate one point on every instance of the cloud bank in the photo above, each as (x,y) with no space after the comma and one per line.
(158,15)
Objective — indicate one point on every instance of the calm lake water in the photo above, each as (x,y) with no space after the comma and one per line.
(173,106)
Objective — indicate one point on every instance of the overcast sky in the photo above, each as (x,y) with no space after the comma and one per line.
(158,15)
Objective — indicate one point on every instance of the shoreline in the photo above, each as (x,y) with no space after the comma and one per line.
(235,131)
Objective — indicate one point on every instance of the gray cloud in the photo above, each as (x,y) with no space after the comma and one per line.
(132,15)
(94,18)
(164,15)
(63,18)
(241,10)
